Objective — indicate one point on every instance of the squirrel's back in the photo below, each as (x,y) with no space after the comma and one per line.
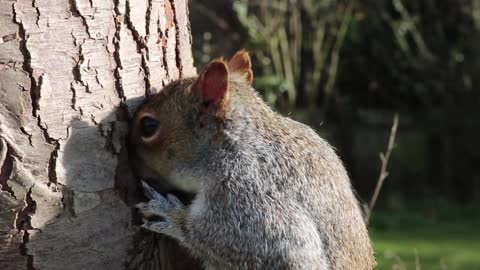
(297,167)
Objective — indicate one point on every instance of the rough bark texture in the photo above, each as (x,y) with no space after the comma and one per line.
(71,73)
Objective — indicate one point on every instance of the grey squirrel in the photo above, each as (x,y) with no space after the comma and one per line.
(269,192)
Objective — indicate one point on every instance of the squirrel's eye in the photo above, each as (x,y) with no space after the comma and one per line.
(149,126)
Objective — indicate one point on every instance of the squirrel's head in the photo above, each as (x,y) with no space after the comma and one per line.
(169,126)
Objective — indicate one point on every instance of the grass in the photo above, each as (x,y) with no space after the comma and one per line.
(437,237)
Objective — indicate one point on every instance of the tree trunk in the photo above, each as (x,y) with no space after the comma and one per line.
(71,74)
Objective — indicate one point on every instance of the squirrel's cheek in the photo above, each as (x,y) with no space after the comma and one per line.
(157,166)
(154,145)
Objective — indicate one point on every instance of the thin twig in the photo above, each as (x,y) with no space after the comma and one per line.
(443,264)
(400,264)
(417,260)
(384,158)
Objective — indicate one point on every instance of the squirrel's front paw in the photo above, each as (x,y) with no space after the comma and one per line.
(170,208)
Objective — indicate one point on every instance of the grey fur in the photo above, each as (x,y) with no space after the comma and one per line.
(271,194)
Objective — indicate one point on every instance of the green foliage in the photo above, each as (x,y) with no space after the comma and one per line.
(396,53)
(409,54)
(298,42)
(272,87)
(436,234)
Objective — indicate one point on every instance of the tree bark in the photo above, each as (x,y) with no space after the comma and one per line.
(71,74)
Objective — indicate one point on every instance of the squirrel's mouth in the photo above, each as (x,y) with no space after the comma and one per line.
(162,184)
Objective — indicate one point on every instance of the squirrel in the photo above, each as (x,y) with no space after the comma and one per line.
(269,193)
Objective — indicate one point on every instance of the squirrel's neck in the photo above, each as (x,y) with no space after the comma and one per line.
(247,138)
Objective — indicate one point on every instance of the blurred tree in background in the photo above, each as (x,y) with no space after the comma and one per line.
(351,65)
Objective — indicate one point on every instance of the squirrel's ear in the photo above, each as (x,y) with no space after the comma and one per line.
(240,65)
(212,84)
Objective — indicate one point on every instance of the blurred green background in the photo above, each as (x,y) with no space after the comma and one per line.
(346,68)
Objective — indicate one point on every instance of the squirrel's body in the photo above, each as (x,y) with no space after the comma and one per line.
(270,193)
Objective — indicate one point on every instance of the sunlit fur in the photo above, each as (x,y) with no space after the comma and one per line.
(271,194)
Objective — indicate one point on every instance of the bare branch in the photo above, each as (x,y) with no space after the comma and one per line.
(384,158)
(417,260)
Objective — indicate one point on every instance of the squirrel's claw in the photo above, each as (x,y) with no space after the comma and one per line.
(169,207)
(151,208)
(156,226)
(166,228)
(174,201)
(168,202)
(158,204)
(151,193)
